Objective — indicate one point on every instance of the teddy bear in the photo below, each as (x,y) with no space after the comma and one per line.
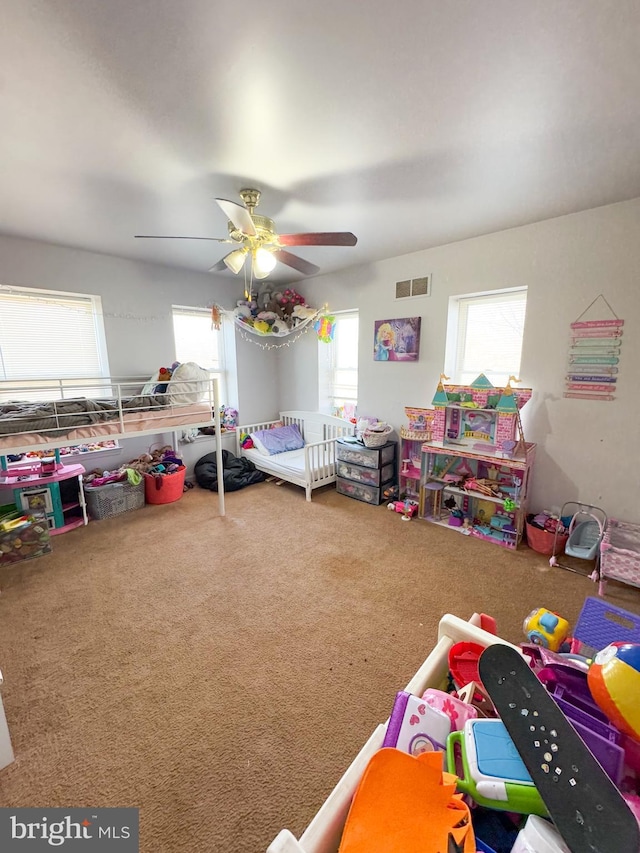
(164,375)
(274,305)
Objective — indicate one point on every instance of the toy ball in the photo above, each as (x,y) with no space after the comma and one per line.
(614,681)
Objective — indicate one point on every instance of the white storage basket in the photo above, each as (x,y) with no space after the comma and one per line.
(376,438)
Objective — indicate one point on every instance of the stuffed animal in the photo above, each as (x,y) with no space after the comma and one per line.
(268,316)
(262,326)
(246,309)
(275,306)
(279,327)
(303,312)
(164,375)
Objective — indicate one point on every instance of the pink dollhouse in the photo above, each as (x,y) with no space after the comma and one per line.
(478,416)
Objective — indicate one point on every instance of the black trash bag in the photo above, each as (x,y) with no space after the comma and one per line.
(238,472)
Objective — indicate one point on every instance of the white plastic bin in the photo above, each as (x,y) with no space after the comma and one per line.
(539,836)
(325,830)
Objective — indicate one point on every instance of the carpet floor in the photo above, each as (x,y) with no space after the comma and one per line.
(221,673)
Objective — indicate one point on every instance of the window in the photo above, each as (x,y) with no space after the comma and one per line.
(484,335)
(46,336)
(338,367)
(197,340)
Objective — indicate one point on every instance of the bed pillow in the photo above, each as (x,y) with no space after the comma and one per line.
(189,383)
(278,440)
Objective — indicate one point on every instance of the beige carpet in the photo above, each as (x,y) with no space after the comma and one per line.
(220,674)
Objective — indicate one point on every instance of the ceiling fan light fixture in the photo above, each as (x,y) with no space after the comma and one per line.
(235,260)
(263,263)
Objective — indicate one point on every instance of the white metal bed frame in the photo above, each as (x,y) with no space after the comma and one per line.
(169,418)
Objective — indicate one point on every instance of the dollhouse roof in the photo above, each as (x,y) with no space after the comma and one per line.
(481,381)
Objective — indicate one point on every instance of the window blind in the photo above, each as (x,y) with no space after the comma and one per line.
(45,336)
(489,336)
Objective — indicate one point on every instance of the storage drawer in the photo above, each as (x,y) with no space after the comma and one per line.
(371,476)
(361,491)
(370,457)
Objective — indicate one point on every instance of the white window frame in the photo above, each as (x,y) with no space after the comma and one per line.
(219,371)
(46,381)
(329,401)
(457,331)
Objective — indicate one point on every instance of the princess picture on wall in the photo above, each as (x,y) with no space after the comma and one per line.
(396,340)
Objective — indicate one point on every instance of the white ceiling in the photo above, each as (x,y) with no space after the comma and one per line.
(412,124)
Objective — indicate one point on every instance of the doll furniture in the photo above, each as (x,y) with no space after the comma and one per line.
(412,437)
(620,554)
(311,466)
(477,465)
(490,491)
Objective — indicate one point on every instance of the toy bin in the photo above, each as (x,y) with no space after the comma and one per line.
(543,541)
(325,830)
(113,499)
(164,488)
(23,543)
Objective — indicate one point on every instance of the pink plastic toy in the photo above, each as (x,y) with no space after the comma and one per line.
(408,508)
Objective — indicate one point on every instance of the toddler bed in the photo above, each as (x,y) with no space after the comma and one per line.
(299,448)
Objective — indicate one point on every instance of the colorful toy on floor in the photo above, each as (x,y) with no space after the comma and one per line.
(411,804)
(614,681)
(408,508)
(545,628)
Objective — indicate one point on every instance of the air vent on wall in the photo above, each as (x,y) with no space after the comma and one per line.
(413,287)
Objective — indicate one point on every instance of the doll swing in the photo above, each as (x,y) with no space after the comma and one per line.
(586,530)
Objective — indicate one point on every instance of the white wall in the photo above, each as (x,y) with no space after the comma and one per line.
(587,451)
(136,300)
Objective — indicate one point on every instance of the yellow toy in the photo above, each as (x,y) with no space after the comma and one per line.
(545,628)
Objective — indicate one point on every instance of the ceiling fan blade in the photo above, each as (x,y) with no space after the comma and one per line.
(239,215)
(321,238)
(219,267)
(165,237)
(295,262)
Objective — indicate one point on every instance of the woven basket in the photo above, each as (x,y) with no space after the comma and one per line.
(376,438)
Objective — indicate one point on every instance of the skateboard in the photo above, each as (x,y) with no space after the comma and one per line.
(586,807)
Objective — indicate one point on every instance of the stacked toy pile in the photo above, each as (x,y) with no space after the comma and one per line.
(533,749)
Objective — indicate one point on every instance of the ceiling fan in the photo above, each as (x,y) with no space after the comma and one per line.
(260,242)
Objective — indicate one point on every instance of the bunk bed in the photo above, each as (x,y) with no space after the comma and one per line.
(43,416)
